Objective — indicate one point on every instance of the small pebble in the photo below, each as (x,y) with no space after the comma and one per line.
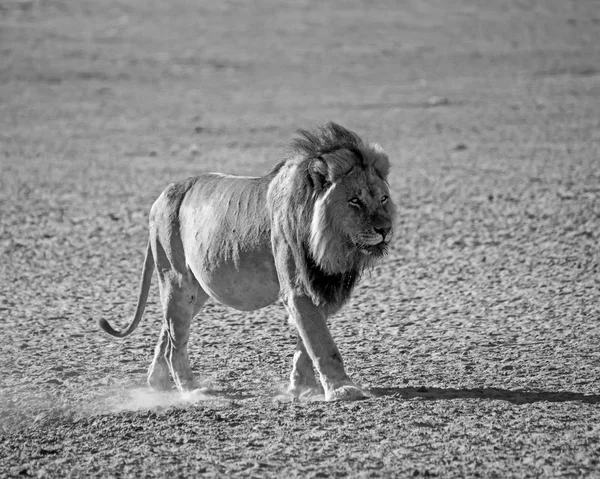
(438,101)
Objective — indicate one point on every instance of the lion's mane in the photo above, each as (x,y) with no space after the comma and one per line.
(327,266)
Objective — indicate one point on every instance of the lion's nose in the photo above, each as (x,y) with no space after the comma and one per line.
(384,231)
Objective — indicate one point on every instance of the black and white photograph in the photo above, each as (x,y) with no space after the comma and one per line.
(308,239)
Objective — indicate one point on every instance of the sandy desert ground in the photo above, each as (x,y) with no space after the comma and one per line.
(477,337)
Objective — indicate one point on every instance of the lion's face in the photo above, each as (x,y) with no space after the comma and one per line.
(367,212)
(353,216)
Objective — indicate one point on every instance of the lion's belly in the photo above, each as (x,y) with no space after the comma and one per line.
(248,285)
(226,234)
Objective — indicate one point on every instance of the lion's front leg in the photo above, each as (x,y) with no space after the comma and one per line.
(302,379)
(318,343)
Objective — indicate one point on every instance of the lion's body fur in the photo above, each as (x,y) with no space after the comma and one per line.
(226,234)
(245,241)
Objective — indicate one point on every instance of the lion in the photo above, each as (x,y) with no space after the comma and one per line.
(304,233)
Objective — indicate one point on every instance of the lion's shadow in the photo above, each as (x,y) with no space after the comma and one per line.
(513,396)
(431,393)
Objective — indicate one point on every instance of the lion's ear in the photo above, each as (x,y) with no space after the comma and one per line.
(318,172)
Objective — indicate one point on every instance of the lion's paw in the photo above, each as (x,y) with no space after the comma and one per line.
(345,393)
(159,379)
(305,391)
(198,394)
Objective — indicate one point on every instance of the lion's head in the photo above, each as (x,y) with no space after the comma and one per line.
(340,214)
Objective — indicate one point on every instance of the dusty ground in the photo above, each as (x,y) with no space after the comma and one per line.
(478,336)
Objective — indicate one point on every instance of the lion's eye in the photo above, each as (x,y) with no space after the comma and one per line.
(354,201)
(384,199)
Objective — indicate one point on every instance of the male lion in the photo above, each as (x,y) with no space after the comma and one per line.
(304,232)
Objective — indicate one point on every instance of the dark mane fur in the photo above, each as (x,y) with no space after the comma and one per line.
(327,139)
(330,289)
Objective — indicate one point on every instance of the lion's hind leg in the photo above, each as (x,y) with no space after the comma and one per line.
(181,302)
(181,297)
(158,373)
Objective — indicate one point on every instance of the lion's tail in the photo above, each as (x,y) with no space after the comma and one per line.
(142,298)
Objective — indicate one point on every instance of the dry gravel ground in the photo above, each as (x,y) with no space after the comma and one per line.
(477,337)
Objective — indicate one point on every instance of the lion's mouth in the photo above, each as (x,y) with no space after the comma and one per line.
(371,239)
(374,250)
(373,246)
